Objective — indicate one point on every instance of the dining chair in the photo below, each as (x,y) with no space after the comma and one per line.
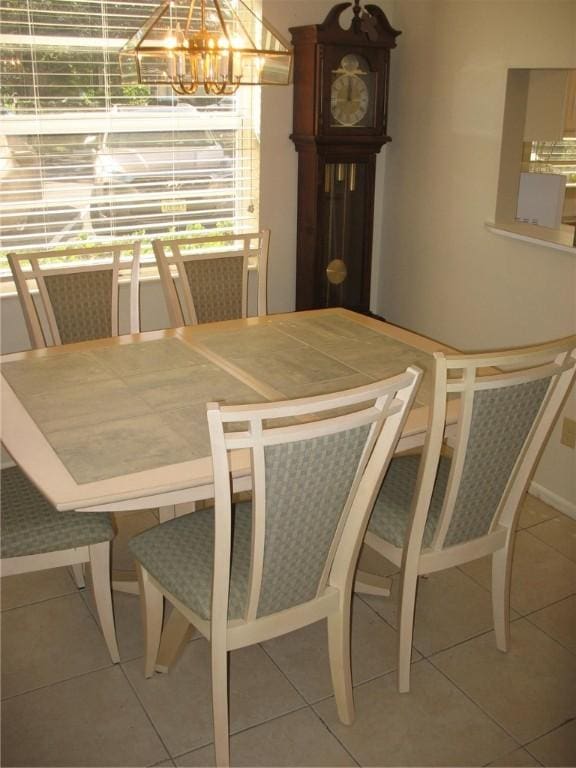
(245,573)
(72,294)
(206,279)
(36,537)
(448,506)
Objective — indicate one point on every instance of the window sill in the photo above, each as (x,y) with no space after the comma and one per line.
(516,234)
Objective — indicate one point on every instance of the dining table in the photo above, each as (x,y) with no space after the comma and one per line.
(119,424)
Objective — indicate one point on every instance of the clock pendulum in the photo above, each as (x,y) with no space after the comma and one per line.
(339,125)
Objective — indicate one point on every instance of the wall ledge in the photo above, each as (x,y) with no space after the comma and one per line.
(497,230)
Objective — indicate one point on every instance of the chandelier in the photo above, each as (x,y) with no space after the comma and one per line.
(216,44)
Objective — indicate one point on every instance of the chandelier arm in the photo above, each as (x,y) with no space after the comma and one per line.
(189,17)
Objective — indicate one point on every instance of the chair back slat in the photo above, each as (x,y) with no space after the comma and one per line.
(307,488)
(308,461)
(76,299)
(499,433)
(82,305)
(501,421)
(206,279)
(217,287)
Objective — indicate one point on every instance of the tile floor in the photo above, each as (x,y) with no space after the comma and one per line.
(65,704)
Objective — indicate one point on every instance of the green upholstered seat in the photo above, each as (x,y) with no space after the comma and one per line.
(180,555)
(391,511)
(31,525)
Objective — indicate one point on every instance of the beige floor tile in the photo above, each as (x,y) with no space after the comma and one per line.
(540,574)
(450,608)
(27,588)
(433,725)
(180,703)
(47,642)
(91,720)
(559,533)
(535,511)
(557,747)
(558,621)
(528,690)
(519,758)
(297,739)
(303,655)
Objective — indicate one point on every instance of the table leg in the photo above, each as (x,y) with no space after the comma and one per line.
(373,574)
(372,584)
(176,633)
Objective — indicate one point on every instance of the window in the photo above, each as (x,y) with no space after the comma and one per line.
(537,182)
(86,158)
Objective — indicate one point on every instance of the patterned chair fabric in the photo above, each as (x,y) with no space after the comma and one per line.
(390,515)
(82,304)
(307,485)
(180,555)
(31,525)
(501,420)
(216,287)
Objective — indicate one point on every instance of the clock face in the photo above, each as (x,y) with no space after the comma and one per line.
(351,93)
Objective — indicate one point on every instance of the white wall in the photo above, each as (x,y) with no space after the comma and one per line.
(443,273)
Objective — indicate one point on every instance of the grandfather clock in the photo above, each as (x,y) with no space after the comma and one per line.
(340,111)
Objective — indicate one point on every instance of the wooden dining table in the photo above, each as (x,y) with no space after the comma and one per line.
(119,424)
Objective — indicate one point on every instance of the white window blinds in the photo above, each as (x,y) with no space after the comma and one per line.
(86,158)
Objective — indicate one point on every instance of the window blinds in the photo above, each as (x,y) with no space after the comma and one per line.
(86,158)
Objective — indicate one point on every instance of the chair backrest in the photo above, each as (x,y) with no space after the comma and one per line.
(311,490)
(508,402)
(77,295)
(206,279)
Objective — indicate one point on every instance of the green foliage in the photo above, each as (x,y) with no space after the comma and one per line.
(137,94)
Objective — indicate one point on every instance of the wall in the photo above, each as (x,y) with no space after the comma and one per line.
(446,275)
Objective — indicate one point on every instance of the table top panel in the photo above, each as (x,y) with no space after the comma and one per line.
(307,356)
(125,409)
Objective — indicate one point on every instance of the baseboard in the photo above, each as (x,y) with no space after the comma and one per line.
(558,502)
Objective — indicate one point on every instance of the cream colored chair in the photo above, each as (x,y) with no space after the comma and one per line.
(36,536)
(71,300)
(206,279)
(437,511)
(246,574)
(77,297)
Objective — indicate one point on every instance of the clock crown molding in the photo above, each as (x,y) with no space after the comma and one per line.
(369,27)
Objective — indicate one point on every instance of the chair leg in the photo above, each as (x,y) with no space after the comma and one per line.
(100,566)
(501,572)
(78,573)
(152,607)
(406,627)
(340,668)
(220,703)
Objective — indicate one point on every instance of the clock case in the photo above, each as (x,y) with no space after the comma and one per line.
(327,152)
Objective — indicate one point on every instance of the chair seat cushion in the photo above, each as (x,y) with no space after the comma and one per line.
(389,518)
(32,526)
(179,554)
